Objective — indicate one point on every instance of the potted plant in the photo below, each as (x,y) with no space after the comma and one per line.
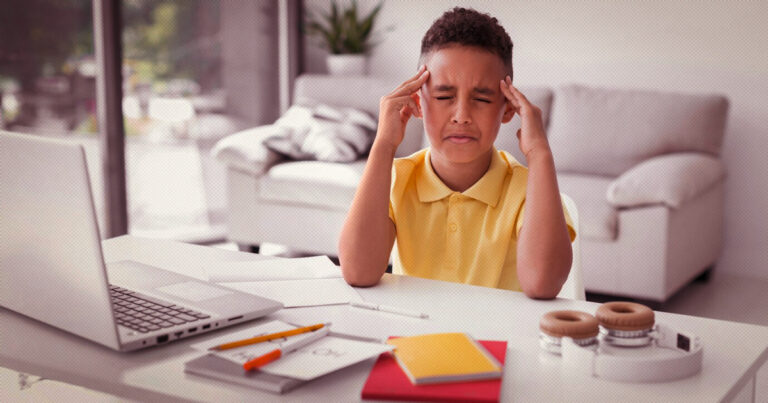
(346,37)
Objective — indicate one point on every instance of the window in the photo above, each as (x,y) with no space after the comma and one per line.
(189,79)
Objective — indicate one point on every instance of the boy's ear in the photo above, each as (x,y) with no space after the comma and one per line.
(509,112)
(417,100)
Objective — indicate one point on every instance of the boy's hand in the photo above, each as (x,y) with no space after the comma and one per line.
(531,135)
(396,108)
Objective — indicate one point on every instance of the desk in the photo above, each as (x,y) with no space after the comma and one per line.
(733,352)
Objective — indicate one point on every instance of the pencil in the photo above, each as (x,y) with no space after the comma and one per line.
(390,309)
(267,337)
(286,348)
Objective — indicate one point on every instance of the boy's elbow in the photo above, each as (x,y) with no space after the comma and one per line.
(543,287)
(356,278)
(541,292)
(538,283)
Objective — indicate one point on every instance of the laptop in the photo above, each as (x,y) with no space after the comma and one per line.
(53,269)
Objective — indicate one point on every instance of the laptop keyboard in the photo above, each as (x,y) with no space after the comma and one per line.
(144,313)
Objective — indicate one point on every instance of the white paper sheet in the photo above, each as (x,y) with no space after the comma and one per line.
(273,269)
(294,293)
(318,358)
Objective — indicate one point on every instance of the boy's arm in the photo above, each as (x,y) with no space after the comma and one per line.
(544,252)
(368,233)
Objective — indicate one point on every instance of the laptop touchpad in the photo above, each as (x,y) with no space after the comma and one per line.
(193,291)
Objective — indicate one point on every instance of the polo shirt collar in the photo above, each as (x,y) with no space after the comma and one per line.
(487,190)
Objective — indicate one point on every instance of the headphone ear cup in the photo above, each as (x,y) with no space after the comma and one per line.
(625,316)
(574,324)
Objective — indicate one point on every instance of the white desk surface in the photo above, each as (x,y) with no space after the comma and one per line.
(733,352)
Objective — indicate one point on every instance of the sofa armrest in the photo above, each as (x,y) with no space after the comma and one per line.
(245,150)
(670,179)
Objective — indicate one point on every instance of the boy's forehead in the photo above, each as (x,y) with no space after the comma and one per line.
(462,65)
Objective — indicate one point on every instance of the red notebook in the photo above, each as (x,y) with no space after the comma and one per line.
(388,382)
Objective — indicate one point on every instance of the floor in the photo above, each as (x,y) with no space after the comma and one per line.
(724,297)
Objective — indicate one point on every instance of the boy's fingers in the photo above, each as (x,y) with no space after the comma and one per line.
(411,86)
(413,78)
(415,100)
(509,95)
(506,91)
(519,95)
(402,101)
(408,109)
(419,71)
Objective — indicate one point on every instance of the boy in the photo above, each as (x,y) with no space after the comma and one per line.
(460,210)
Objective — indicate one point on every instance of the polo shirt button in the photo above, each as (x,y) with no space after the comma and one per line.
(452,227)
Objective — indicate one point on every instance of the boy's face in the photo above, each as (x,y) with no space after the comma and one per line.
(462,104)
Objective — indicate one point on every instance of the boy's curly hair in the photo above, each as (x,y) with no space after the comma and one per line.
(468,27)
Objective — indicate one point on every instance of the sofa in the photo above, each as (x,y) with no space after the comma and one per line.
(643,168)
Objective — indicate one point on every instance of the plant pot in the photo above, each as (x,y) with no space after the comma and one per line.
(347,64)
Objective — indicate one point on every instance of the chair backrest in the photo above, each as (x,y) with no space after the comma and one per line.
(574,285)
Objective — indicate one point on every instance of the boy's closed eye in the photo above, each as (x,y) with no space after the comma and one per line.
(448,97)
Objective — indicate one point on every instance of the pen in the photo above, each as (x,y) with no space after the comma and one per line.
(284,349)
(268,337)
(384,308)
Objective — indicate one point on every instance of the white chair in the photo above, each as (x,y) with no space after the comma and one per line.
(574,285)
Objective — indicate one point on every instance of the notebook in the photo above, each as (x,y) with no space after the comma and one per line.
(444,357)
(225,369)
(388,382)
(219,368)
(53,269)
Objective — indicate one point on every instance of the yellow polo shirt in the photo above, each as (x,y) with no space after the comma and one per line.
(466,237)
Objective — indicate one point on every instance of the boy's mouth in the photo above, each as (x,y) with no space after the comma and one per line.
(459,139)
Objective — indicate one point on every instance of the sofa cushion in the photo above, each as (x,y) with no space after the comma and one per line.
(598,218)
(245,150)
(323,133)
(361,93)
(315,183)
(606,132)
(670,179)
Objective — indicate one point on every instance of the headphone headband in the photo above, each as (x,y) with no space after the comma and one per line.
(677,355)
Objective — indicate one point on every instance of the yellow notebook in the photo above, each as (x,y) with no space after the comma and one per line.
(444,357)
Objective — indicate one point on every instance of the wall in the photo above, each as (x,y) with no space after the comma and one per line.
(691,46)
(249,59)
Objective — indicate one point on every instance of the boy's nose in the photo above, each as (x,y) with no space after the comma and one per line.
(461,114)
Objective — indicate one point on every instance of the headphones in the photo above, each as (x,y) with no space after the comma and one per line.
(621,342)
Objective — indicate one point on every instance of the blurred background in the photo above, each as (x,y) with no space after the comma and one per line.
(188,79)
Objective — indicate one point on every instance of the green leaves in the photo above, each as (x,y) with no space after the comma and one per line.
(341,31)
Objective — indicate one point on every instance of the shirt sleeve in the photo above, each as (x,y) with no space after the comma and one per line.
(393,191)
